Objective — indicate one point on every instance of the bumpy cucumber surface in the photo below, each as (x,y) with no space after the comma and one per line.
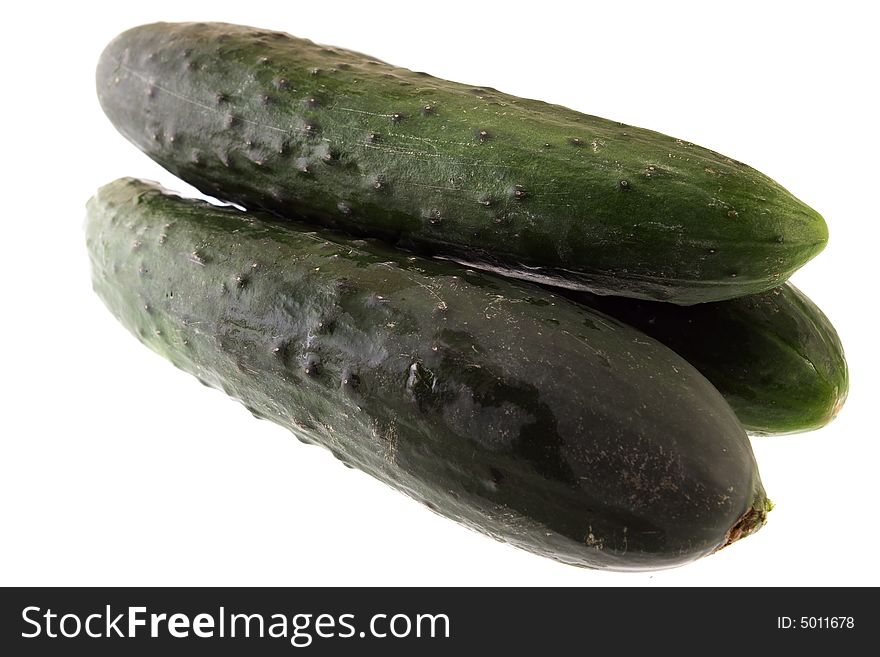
(530,189)
(516,412)
(774,356)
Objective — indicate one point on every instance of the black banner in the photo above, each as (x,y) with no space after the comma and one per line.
(321,621)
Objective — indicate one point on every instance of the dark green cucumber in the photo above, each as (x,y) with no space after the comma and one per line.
(774,356)
(503,406)
(529,189)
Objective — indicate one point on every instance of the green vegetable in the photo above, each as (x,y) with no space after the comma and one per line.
(529,189)
(518,413)
(774,356)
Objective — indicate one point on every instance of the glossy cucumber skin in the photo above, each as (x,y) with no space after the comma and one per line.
(500,405)
(775,356)
(529,189)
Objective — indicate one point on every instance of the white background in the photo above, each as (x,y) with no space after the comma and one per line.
(116,468)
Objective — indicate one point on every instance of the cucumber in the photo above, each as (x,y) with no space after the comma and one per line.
(522,187)
(500,405)
(774,356)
